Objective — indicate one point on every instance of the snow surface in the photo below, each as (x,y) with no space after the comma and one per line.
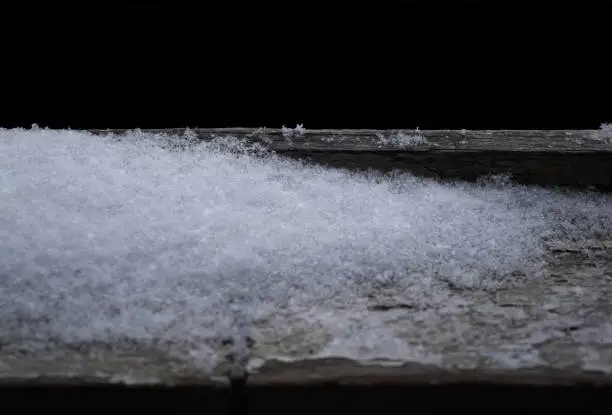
(134,242)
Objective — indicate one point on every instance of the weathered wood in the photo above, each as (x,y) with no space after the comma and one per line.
(577,290)
(555,141)
(581,158)
(571,304)
(347,372)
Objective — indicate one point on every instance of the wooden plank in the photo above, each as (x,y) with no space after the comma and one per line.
(580,158)
(347,372)
(580,277)
(571,304)
(555,141)
(577,286)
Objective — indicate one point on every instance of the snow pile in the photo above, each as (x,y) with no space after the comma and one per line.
(151,241)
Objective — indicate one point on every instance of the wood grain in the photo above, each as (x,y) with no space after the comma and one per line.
(587,266)
(578,158)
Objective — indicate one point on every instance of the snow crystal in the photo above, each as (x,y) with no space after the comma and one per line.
(157,241)
(402,140)
(298,131)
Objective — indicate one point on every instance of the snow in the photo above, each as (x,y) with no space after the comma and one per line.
(402,140)
(134,242)
(299,130)
(605,132)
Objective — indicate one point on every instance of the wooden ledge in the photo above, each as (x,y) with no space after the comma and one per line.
(575,158)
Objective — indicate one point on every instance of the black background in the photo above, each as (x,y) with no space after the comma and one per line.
(431,64)
(474,65)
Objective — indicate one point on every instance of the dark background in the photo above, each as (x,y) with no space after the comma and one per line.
(474,65)
(432,64)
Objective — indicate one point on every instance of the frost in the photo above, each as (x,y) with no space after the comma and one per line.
(142,241)
(605,132)
(496,180)
(261,134)
(402,140)
(298,131)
